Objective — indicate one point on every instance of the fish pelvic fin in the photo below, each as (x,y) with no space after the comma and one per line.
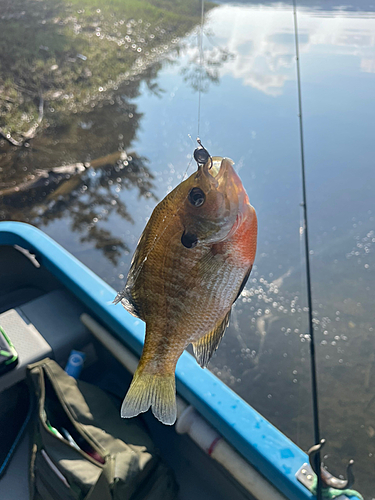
(205,347)
(151,390)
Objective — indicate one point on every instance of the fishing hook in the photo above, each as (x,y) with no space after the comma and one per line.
(328,480)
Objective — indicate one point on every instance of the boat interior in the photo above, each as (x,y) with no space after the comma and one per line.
(42,317)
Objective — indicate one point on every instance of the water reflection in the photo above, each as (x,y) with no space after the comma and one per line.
(262,46)
(67,112)
(203,67)
(84,191)
(74,56)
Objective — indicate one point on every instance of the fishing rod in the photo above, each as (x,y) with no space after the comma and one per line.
(202,151)
(324,480)
(314,379)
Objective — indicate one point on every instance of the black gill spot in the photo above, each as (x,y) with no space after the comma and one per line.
(189,240)
(197,197)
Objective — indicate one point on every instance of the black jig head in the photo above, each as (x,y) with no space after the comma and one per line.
(201,155)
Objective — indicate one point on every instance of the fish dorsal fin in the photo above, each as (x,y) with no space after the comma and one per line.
(207,345)
(127,296)
(129,302)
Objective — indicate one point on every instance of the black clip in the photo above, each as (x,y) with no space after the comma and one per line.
(201,155)
(328,480)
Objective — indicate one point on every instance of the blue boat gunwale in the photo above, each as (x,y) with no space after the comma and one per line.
(274,455)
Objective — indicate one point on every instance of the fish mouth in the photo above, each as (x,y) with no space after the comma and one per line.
(217,166)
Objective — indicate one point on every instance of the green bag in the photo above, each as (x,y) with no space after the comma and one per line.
(83,450)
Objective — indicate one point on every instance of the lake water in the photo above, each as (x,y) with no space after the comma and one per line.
(120,118)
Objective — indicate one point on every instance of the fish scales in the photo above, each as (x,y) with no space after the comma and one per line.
(190,265)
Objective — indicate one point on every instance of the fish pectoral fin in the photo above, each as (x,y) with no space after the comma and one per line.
(157,391)
(207,345)
(243,284)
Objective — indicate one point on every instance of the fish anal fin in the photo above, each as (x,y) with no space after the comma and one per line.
(207,345)
(151,390)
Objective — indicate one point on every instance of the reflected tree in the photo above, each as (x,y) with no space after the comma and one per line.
(202,69)
(88,196)
(61,57)
(201,76)
(68,79)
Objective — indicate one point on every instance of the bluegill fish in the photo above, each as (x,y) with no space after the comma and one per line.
(191,263)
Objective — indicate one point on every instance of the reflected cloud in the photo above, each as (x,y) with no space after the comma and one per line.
(261,58)
(260,40)
(368,65)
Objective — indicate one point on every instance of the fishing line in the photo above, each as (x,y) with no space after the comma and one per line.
(200,48)
(190,162)
(314,382)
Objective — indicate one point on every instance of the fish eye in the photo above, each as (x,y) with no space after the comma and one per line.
(197,197)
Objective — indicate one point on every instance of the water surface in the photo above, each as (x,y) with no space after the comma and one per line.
(115,138)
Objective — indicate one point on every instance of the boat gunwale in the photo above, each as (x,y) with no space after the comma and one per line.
(267,449)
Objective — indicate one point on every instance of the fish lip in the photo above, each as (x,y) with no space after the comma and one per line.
(217,166)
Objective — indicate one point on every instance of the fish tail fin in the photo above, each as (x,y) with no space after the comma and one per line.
(151,389)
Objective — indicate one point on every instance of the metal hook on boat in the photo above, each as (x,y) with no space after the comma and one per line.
(328,480)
